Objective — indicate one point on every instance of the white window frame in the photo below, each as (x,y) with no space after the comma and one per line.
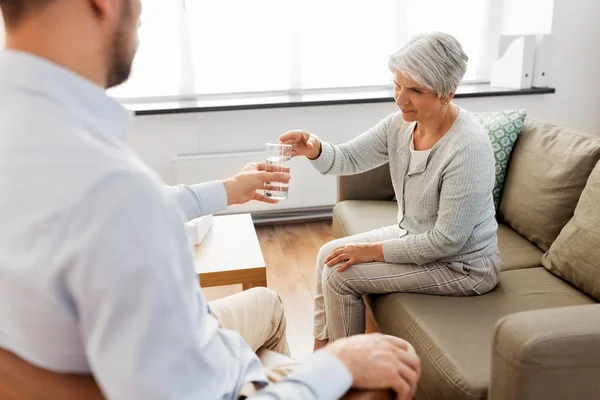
(295,91)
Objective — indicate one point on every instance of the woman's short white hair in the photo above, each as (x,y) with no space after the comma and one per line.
(436,61)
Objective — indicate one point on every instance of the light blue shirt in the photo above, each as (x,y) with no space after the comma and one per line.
(96,272)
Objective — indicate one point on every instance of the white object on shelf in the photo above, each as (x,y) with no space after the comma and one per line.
(542,60)
(198,228)
(514,68)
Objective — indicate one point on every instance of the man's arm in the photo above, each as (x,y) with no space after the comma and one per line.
(372,361)
(207,198)
(323,376)
(198,200)
(144,321)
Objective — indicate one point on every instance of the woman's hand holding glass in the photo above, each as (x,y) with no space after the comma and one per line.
(303,144)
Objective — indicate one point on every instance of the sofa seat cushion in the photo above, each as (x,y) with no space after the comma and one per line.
(357,216)
(453,335)
(548,170)
(516,251)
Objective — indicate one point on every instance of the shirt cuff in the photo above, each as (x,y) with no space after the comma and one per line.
(325,374)
(324,162)
(212,196)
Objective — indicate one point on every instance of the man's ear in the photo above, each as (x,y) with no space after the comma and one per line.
(106,10)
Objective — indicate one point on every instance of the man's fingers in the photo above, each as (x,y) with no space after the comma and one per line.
(409,375)
(397,342)
(260,166)
(402,388)
(282,177)
(274,168)
(264,199)
(410,359)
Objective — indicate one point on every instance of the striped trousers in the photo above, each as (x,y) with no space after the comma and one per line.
(339,306)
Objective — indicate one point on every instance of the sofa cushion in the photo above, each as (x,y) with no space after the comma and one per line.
(575,255)
(356,216)
(503,129)
(547,172)
(375,184)
(516,251)
(453,335)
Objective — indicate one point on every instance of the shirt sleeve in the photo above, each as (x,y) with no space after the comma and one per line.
(467,185)
(323,376)
(198,200)
(143,319)
(365,152)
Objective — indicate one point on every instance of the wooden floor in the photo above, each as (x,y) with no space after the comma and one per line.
(290,252)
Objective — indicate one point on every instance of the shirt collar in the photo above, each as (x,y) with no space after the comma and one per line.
(36,74)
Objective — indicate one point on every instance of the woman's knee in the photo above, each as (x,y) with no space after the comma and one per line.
(338,282)
(324,252)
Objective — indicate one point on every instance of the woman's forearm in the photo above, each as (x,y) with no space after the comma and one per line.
(361,154)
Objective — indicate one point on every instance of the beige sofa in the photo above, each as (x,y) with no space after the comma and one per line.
(537,335)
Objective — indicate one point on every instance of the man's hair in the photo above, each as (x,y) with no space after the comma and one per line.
(14,11)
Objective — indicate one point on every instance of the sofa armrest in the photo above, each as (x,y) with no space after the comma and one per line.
(371,185)
(547,354)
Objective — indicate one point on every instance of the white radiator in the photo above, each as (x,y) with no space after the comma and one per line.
(308,188)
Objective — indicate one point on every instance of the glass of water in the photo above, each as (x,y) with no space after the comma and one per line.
(279,158)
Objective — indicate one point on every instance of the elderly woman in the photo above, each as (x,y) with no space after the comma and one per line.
(442,168)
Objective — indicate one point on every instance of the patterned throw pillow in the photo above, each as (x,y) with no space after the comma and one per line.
(503,128)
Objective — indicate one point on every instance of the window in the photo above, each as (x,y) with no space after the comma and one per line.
(192,48)
(158,64)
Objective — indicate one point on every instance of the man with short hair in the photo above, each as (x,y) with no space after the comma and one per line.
(96,274)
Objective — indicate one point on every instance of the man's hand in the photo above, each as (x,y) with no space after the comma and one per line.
(243,187)
(378,361)
(303,144)
(355,254)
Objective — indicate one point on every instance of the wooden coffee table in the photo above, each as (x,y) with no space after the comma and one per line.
(230,254)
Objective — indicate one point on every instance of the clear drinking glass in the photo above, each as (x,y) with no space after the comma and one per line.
(279,157)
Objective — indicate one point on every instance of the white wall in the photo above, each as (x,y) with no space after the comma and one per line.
(575,74)
(527,17)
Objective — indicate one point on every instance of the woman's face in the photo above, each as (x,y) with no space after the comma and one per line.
(415,102)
